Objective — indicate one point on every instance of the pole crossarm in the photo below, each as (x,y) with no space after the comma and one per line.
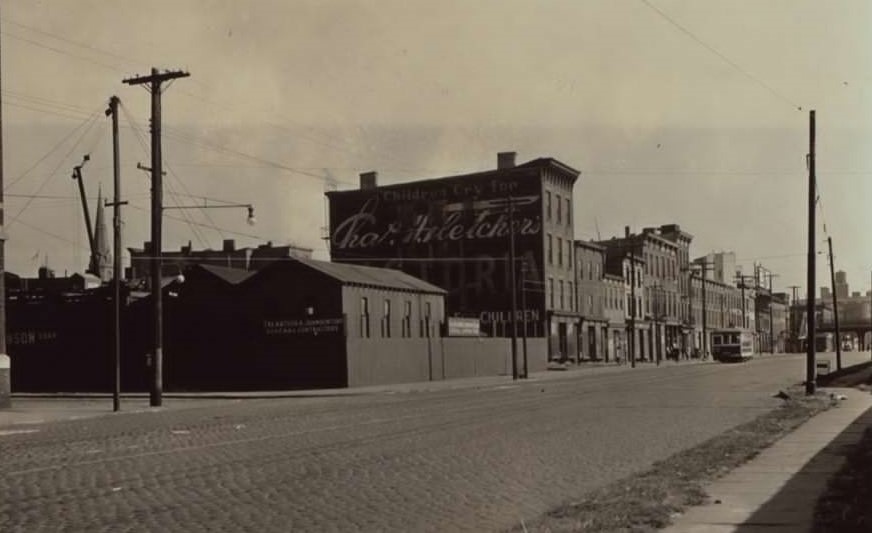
(155,79)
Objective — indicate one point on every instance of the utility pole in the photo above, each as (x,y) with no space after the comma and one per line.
(835,307)
(740,279)
(154,82)
(5,366)
(514,288)
(705,268)
(116,204)
(810,283)
(771,323)
(793,327)
(524,314)
(632,343)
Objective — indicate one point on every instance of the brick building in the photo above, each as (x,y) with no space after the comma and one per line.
(661,327)
(593,326)
(455,233)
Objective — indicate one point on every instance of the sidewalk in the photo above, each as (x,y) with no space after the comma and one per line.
(29,409)
(776,492)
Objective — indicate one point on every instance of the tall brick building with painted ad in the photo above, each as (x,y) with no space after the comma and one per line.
(454,232)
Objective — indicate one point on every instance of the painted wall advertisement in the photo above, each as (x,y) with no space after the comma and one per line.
(305,327)
(454,233)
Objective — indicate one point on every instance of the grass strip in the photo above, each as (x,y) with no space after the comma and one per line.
(846,504)
(646,501)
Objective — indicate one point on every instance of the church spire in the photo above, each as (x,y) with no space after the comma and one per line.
(101,259)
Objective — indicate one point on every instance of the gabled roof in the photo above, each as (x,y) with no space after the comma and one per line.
(234,276)
(372,276)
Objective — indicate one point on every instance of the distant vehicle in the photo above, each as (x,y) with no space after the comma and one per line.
(732,344)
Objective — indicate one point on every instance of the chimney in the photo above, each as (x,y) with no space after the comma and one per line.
(506,160)
(369,180)
(229,245)
(626,231)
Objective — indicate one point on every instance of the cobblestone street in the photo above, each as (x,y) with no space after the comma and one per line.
(475,459)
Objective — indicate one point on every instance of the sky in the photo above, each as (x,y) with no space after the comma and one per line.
(675,111)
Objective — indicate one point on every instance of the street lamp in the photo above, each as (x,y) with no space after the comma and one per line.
(250,219)
(701,268)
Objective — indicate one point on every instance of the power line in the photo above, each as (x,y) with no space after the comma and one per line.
(139,137)
(50,176)
(51,151)
(243,155)
(60,51)
(189,222)
(722,56)
(45,111)
(128,59)
(68,41)
(50,234)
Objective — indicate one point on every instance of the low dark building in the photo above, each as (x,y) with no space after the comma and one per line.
(300,324)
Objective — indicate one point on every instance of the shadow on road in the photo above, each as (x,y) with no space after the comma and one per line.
(794,507)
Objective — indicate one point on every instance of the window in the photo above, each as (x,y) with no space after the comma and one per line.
(569,254)
(386,320)
(590,303)
(407,319)
(560,286)
(548,205)
(571,297)
(551,291)
(558,209)
(364,318)
(550,251)
(568,216)
(559,251)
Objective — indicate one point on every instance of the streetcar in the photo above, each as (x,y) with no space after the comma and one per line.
(732,344)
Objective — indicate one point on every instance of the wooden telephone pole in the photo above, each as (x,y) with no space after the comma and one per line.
(793,326)
(116,204)
(154,81)
(5,366)
(810,268)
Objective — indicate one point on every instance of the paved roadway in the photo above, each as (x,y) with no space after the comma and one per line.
(475,459)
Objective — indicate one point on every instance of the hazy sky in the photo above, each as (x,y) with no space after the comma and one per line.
(693,121)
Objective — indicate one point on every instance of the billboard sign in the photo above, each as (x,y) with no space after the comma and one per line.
(452,232)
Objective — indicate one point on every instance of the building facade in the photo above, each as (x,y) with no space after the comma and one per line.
(661,328)
(683,239)
(593,325)
(614,306)
(466,233)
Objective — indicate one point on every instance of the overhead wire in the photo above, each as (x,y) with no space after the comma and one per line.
(60,51)
(723,57)
(60,143)
(139,137)
(127,59)
(200,224)
(54,172)
(66,40)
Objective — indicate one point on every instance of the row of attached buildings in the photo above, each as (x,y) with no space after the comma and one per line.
(589,299)
(427,279)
